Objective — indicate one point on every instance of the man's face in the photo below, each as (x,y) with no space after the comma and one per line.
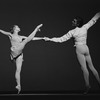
(74,22)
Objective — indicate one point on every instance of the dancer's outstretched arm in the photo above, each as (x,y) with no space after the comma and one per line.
(35,38)
(93,20)
(60,39)
(5,33)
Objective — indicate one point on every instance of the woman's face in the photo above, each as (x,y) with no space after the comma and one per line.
(16,28)
(74,22)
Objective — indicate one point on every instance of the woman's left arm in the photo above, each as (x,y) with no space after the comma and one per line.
(35,38)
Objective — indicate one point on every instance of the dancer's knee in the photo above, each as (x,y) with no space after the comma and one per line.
(85,70)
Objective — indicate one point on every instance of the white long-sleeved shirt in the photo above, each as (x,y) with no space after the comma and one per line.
(79,34)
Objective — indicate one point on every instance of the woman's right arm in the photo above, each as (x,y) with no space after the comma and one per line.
(5,33)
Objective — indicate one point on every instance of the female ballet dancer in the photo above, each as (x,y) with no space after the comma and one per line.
(18,43)
(80,36)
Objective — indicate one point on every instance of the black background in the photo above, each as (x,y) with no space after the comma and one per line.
(47,66)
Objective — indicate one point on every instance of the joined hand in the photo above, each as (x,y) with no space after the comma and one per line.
(46,39)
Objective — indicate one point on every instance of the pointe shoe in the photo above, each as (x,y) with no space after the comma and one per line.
(18,87)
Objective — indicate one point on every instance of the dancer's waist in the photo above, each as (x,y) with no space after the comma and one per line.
(80,43)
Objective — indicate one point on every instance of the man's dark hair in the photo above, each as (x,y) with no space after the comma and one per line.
(79,21)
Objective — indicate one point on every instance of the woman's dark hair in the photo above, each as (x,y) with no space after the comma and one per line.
(11,29)
(79,21)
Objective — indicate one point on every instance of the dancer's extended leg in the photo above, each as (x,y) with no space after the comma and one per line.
(90,64)
(31,36)
(82,61)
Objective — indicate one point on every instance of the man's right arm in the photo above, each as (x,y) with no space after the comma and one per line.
(93,20)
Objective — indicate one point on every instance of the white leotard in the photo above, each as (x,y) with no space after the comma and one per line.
(79,34)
